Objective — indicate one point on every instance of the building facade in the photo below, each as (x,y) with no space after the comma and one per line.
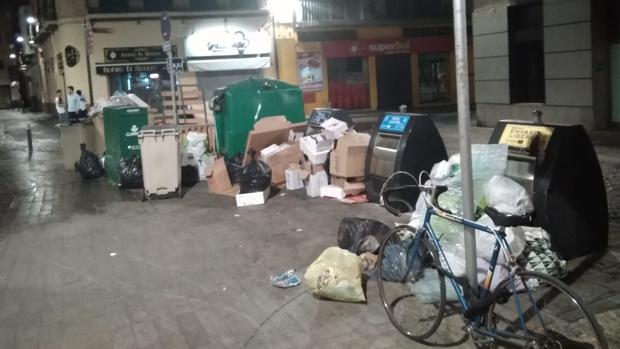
(102,47)
(5,60)
(553,55)
(369,55)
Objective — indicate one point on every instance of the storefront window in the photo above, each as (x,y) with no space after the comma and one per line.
(145,85)
(348,83)
(434,77)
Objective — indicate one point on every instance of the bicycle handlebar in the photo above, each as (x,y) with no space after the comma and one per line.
(434,190)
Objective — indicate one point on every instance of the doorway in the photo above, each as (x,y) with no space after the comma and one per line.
(394,81)
(434,77)
(615,83)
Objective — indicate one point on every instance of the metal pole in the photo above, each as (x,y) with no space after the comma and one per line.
(462,82)
(172,87)
(29,139)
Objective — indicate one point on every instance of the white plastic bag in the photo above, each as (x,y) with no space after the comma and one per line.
(485,242)
(196,144)
(508,196)
(336,274)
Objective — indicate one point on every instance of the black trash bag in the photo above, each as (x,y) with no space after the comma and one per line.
(89,165)
(359,235)
(131,173)
(255,177)
(401,262)
(189,176)
(234,167)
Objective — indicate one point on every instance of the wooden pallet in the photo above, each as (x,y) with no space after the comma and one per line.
(190,103)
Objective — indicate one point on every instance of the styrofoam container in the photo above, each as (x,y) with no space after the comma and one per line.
(316,143)
(249,199)
(293,179)
(334,128)
(332,191)
(308,147)
(315,182)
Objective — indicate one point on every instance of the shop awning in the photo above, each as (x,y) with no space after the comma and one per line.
(220,64)
(120,68)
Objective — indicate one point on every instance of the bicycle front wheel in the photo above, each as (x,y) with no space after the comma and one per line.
(553,316)
(412,289)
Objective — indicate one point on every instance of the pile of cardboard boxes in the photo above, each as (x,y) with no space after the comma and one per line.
(299,162)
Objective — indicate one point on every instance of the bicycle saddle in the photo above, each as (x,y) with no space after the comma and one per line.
(508,220)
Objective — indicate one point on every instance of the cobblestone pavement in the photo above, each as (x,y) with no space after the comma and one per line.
(84,265)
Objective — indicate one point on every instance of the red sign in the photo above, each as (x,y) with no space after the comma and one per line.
(378,47)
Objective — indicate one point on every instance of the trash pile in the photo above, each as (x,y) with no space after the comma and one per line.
(491,189)
(292,161)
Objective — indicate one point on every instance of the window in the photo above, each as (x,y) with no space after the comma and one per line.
(113,6)
(526,55)
(157,5)
(434,77)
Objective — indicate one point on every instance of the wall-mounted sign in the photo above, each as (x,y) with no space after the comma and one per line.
(136,54)
(233,38)
(377,47)
(310,71)
(72,55)
(103,69)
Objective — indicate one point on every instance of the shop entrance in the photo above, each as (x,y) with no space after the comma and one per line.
(348,83)
(394,81)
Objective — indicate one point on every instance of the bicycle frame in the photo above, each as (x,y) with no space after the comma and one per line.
(500,244)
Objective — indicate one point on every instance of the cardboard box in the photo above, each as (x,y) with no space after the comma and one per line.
(313,169)
(350,188)
(219,182)
(315,182)
(349,157)
(267,131)
(250,199)
(288,154)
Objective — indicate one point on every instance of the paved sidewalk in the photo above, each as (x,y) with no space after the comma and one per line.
(84,265)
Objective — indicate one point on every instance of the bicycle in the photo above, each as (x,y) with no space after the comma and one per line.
(524,310)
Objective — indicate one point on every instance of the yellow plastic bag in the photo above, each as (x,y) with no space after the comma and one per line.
(336,274)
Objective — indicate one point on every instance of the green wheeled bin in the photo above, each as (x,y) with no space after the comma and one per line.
(121,124)
(240,105)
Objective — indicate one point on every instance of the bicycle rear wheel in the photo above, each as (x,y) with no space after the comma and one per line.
(412,289)
(553,315)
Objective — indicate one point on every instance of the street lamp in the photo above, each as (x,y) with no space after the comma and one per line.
(12,56)
(31,20)
(19,38)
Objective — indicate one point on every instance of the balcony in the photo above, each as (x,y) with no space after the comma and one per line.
(129,6)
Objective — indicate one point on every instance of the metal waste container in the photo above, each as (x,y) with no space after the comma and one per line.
(402,142)
(161,160)
(558,166)
(239,106)
(121,125)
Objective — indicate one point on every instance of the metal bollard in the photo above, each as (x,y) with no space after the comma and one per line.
(29,138)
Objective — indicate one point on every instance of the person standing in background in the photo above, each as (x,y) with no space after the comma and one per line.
(73,103)
(61,109)
(82,110)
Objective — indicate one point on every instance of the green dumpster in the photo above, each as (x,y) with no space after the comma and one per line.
(121,124)
(240,105)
